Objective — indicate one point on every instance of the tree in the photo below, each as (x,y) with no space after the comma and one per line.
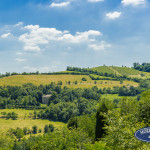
(34,129)
(35,114)
(19,133)
(46,128)
(105,105)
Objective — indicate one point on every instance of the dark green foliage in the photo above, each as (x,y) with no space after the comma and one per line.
(100,131)
(72,123)
(34,129)
(46,128)
(19,133)
(142,67)
(25,130)
(84,79)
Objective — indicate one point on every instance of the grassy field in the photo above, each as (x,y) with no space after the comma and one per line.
(103,69)
(21,112)
(6,124)
(122,71)
(18,80)
(113,96)
(127,71)
(40,79)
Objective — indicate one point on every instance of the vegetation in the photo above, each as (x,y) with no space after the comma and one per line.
(103,116)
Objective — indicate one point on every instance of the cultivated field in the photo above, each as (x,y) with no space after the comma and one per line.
(122,71)
(40,79)
(19,80)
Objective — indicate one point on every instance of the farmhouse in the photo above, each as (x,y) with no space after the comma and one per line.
(45,99)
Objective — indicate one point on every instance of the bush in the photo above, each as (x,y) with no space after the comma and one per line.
(84,79)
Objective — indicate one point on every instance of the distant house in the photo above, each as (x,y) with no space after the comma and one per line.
(45,99)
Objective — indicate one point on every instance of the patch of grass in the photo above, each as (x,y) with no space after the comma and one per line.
(103,69)
(21,112)
(5,125)
(127,71)
(114,96)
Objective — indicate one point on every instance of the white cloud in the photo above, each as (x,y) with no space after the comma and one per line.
(63,4)
(5,35)
(36,36)
(98,47)
(114,15)
(133,2)
(20,59)
(94,1)
(18,24)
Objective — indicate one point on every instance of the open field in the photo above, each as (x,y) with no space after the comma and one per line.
(18,80)
(40,79)
(103,69)
(114,96)
(21,112)
(6,124)
(127,71)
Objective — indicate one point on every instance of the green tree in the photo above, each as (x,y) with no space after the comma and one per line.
(46,128)
(34,129)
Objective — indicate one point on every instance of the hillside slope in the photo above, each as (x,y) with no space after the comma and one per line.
(121,71)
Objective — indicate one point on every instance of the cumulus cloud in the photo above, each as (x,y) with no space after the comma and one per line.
(113,15)
(37,36)
(63,4)
(133,2)
(98,47)
(5,35)
(94,1)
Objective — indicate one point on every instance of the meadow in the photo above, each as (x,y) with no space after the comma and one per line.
(21,122)
(18,80)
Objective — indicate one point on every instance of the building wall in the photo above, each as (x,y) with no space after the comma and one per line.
(45,99)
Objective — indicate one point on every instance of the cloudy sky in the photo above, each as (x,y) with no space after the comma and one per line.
(49,35)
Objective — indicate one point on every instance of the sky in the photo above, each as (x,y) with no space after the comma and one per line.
(49,35)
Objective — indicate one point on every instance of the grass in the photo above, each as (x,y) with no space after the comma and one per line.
(103,69)
(127,71)
(5,124)
(122,71)
(18,80)
(21,112)
(114,96)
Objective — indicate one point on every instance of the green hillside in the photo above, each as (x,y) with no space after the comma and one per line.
(121,71)
(103,69)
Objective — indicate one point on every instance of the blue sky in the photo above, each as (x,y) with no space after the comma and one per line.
(49,35)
